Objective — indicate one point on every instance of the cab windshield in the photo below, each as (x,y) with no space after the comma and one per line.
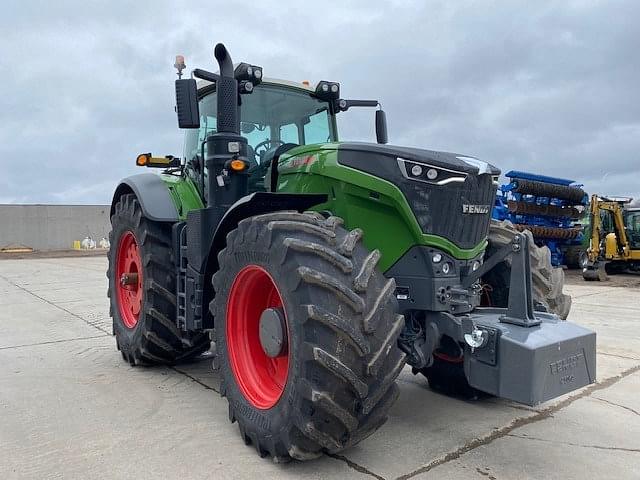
(270,116)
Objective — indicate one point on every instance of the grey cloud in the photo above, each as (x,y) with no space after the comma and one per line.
(550,88)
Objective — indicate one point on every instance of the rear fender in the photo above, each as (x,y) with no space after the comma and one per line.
(152,194)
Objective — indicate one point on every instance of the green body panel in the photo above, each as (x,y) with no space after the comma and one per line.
(386,217)
(184,193)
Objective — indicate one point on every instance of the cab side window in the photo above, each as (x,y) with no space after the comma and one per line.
(289,133)
(316,130)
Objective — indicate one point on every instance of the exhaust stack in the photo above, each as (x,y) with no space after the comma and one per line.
(228,118)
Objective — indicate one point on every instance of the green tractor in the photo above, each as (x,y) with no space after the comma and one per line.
(319,268)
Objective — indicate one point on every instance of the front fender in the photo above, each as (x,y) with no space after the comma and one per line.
(258,203)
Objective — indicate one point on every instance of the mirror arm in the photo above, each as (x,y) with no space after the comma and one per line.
(205,75)
(344,105)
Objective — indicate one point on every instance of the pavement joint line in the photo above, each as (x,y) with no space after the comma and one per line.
(616,355)
(633,309)
(81,300)
(355,466)
(54,305)
(199,382)
(602,292)
(614,404)
(64,340)
(519,422)
(557,442)
(350,463)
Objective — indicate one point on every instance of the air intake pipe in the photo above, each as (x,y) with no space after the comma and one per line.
(228,118)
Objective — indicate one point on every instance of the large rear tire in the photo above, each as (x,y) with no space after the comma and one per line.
(329,379)
(547,280)
(142,282)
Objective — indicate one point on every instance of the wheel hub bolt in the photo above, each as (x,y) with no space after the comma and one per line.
(129,279)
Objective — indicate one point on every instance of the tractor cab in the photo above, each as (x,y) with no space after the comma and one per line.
(240,114)
(276,113)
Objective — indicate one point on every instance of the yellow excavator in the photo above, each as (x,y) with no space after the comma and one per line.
(614,246)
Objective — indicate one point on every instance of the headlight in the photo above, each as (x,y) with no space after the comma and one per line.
(446,268)
(424,172)
(437,258)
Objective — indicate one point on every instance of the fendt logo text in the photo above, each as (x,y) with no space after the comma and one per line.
(466,208)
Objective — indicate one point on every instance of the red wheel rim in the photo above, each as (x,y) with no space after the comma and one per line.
(448,358)
(129,279)
(261,379)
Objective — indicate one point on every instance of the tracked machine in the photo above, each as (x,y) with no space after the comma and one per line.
(614,244)
(320,268)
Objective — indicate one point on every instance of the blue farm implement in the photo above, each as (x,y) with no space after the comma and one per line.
(551,208)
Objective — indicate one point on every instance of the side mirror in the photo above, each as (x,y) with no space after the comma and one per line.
(187,103)
(381,127)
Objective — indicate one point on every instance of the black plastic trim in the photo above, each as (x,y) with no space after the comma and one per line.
(258,203)
(422,285)
(153,195)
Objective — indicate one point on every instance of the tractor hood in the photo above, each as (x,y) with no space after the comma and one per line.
(450,195)
(453,161)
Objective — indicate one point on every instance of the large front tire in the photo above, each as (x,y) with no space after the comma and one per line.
(143,310)
(331,381)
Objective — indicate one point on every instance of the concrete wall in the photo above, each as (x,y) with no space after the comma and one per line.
(52,227)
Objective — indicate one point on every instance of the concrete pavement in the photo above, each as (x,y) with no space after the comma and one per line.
(71,408)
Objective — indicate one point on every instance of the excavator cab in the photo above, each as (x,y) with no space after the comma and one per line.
(632,225)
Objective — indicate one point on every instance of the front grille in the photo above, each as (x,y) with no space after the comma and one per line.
(439,208)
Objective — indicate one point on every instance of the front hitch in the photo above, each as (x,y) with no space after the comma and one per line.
(520,307)
(516,353)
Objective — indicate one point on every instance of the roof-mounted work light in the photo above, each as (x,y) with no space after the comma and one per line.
(327,90)
(249,73)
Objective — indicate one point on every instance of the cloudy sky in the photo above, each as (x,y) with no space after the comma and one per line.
(549,87)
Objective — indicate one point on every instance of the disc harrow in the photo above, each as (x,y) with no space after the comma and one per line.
(541,189)
(526,208)
(551,232)
(551,208)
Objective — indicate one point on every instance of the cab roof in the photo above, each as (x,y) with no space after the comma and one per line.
(201,84)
